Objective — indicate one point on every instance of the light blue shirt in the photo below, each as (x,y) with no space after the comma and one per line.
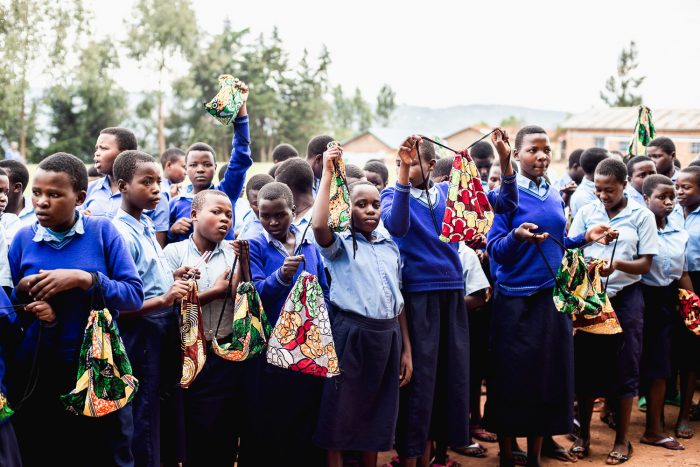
(669,264)
(102,202)
(370,284)
(297,239)
(637,227)
(635,195)
(474,277)
(540,189)
(251,227)
(58,240)
(692,226)
(563,181)
(140,238)
(26,215)
(584,195)
(5,273)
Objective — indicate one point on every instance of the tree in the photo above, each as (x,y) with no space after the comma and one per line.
(386,104)
(363,112)
(162,32)
(342,114)
(620,91)
(511,122)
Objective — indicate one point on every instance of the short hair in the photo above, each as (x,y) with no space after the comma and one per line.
(614,168)
(171,155)
(695,163)
(527,130)
(274,191)
(353,185)
(427,151)
(92,172)
(677,162)
(201,147)
(591,157)
(664,143)
(284,151)
(693,170)
(443,167)
(652,181)
(482,150)
(575,158)
(126,163)
(297,174)
(62,162)
(18,171)
(354,171)
(378,167)
(222,171)
(200,198)
(273,169)
(634,161)
(126,139)
(258,181)
(318,145)
(4,174)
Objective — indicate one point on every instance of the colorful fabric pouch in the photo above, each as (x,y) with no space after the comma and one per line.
(606,321)
(228,101)
(302,339)
(192,340)
(574,291)
(689,308)
(339,204)
(5,410)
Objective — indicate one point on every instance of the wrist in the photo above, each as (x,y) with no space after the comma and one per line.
(86,280)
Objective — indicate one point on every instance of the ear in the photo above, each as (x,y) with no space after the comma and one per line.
(294,209)
(18,188)
(121,184)
(516,155)
(81,198)
(193,215)
(431,164)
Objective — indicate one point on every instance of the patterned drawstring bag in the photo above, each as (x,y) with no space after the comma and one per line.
(192,340)
(606,321)
(251,329)
(105,380)
(689,309)
(339,204)
(5,410)
(225,105)
(302,340)
(574,291)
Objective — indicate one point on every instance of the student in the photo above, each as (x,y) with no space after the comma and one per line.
(377,173)
(288,397)
(539,362)
(151,335)
(213,402)
(298,176)
(638,169)
(432,286)
(10,222)
(103,196)
(687,214)
(282,152)
(662,151)
(354,173)
(273,169)
(369,329)
(483,155)
(314,156)
(443,167)
(573,176)
(585,192)
(596,372)
(201,164)
(660,290)
(18,203)
(93,174)
(9,335)
(173,162)
(251,223)
(63,237)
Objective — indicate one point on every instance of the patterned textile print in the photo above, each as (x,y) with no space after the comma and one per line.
(191,337)
(228,101)
(468,211)
(689,308)
(339,204)
(5,410)
(251,329)
(574,292)
(105,379)
(644,132)
(606,321)
(302,339)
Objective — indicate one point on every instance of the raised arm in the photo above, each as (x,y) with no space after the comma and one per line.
(322,233)
(395,207)
(240,162)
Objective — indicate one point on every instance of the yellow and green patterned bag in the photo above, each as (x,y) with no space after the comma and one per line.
(225,105)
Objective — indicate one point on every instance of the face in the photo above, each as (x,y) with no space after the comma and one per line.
(641,171)
(55,200)
(253,200)
(576,173)
(276,217)
(609,191)
(200,169)
(534,155)
(484,167)
(663,161)
(375,179)
(661,200)
(316,163)
(143,192)
(366,208)
(494,177)
(106,150)
(214,220)
(688,190)
(175,170)
(417,170)
(16,191)
(4,192)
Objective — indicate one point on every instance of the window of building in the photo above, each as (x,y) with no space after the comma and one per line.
(599,142)
(623,147)
(695,147)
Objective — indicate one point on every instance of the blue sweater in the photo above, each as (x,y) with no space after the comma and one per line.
(265,264)
(231,184)
(9,334)
(100,249)
(517,267)
(429,263)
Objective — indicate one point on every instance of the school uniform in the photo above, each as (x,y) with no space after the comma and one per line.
(231,184)
(151,340)
(563,181)
(584,194)
(435,404)
(241,210)
(10,223)
(633,194)
(93,244)
(531,386)
(609,364)
(9,335)
(212,403)
(251,226)
(5,274)
(359,411)
(27,215)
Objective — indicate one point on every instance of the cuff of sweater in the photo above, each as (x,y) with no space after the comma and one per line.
(508,179)
(402,187)
(511,242)
(280,279)
(243,119)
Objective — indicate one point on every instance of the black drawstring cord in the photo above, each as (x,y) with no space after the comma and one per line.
(607,279)
(427,193)
(228,293)
(555,240)
(301,242)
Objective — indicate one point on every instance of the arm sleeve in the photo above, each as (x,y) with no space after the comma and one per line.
(502,245)
(234,178)
(5,274)
(161,214)
(578,225)
(122,289)
(474,277)
(648,238)
(506,199)
(395,210)
(575,241)
(333,250)
(273,287)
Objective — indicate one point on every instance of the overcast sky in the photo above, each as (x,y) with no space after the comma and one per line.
(543,54)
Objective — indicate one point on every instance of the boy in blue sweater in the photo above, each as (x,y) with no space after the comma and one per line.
(63,236)
(201,167)
(436,403)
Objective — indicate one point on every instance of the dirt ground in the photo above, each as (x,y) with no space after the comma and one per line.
(601,444)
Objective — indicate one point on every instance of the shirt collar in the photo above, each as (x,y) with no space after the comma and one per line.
(587,183)
(632,206)
(28,206)
(420,192)
(144,224)
(193,246)
(671,226)
(276,243)
(378,236)
(43,234)
(679,210)
(528,184)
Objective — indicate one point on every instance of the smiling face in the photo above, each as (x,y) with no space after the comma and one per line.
(609,191)
(534,155)
(106,150)
(663,161)
(200,169)
(641,171)
(55,200)
(688,190)
(276,217)
(143,191)
(366,208)
(661,200)
(214,219)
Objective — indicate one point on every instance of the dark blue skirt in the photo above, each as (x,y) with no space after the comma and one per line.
(9,451)
(359,408)
(531,389)
(660,305)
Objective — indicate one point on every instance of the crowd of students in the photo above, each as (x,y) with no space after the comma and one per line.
(419,324)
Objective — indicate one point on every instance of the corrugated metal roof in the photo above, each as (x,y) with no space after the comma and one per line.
(393,137)
(624,118)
